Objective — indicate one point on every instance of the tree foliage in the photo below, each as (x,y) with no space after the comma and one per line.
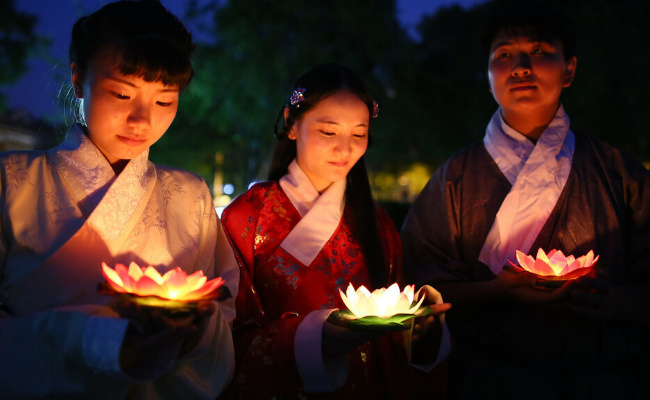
(17,41)
(433,93)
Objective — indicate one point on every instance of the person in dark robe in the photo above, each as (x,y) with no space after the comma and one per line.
(534,183)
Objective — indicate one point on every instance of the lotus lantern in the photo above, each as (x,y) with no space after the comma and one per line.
(384,302)
(555,265)
(174,285)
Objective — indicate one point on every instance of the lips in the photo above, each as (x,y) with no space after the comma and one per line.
(339,164)
(522,86)
(131,141)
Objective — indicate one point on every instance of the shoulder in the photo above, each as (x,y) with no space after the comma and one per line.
(591,150)
(252,198)
(170,175)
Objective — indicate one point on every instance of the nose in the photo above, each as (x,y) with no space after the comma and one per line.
(139,115)
(521,65)
(343,145)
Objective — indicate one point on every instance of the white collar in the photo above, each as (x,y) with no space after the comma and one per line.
(537,174)
(321,213)
(110,200)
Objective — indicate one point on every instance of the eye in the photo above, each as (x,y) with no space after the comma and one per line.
(537,50)
(359,135)
(121,96)
(325,133)
(502,55)
(164,103)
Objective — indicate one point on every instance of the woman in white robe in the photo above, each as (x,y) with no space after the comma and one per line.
(97,198)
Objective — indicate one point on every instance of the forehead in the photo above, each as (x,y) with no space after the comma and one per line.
(521,35)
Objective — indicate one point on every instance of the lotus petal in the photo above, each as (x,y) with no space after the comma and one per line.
(555,263)
(383,302)
(175,284)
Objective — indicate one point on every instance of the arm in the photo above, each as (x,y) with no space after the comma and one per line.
(206,363)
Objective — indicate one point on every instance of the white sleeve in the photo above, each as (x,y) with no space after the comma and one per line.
(318,374)
(57,351)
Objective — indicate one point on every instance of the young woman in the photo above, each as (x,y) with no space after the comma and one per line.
(96,198)
(309,231)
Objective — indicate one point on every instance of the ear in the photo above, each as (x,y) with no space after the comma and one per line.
(292,132)
(77,81)
(570,71)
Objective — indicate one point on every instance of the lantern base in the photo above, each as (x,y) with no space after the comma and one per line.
(371,323)
(171,308)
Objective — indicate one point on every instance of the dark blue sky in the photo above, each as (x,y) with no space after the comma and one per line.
(38,89)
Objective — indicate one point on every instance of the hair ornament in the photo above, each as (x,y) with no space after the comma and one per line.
(375,109)
(297,96)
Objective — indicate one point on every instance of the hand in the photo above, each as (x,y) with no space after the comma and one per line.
(522,285)
(427,330)
(593,298)
(153,340)
(338,340)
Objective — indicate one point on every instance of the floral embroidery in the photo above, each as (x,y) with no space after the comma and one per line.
(287,268)
(170,187)
(17,173)
(60,209)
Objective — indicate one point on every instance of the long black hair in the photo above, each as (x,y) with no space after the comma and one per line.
(319,83)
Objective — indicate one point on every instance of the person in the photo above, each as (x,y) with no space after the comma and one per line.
(531,183)
(97,198)
(307,232)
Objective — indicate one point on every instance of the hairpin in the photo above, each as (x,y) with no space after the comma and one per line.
(375,109)
(297,96)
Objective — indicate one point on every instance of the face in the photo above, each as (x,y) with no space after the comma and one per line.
(527,76)
(331,137)
(124,114)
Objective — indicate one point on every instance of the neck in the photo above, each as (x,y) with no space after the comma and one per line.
(530,125)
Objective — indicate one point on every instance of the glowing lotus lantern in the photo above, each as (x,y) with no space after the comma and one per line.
(381,309)
(381,302)
(173,287)
(555,266)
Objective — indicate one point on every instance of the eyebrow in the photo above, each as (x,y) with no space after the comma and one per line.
(510,42)
(327,121)
(167,89)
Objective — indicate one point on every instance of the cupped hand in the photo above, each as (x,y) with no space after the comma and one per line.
(154,340)
(522,286)
(338,340)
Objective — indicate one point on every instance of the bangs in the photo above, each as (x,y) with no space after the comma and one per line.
(152,61)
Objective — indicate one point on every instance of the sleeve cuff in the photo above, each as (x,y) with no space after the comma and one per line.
(101,344)
(443,351)
(318,374)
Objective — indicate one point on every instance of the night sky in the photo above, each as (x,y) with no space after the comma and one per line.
(37,90)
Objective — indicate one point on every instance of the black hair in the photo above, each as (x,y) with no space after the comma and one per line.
(533,19)
(319,83)
(146,39)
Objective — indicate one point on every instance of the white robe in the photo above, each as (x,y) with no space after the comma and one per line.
(63,212)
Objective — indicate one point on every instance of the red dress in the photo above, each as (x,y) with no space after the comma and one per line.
(277,291)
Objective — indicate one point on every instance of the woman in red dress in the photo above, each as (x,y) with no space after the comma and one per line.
(307,232)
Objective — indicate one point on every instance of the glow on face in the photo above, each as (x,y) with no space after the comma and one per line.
(384,302)
(527,74)
(331,137)
(175,284)
(124,114)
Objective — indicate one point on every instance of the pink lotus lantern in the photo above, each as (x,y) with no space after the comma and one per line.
(381,309)
(172,289)
(556,266)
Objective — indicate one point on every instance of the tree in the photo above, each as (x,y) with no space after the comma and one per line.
(17,42)
(261,46)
